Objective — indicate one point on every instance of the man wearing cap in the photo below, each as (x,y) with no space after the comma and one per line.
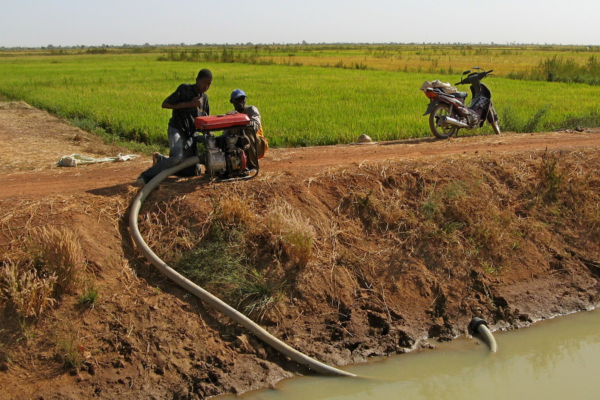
(187,102)
(257,140)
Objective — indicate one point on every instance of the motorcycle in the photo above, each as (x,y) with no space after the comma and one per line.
(448,112)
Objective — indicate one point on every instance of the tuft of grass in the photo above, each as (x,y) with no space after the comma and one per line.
(533,123)
(257,294)
(59,250)
(430,206)
(89,296)
(491,269)
(572,121)
(510,121)
(434,203)
(291,233)
(221,265)
(551,178)
(71,352)
(27,291)
(222,261)
(233,211)
(212,262)
(170,227)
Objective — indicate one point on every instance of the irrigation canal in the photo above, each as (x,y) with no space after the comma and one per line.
(553,359)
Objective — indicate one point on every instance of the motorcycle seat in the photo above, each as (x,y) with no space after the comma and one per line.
(460,95)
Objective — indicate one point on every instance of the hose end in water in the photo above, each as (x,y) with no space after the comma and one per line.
(480,325)
(475,323)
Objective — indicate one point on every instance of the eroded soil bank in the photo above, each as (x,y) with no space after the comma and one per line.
(341,261)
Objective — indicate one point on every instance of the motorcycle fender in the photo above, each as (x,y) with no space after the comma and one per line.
(431,106)
(491,115)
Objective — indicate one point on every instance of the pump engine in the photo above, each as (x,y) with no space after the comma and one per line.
(224,155)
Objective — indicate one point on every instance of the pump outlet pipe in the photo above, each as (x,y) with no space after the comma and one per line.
(205,296)
(480,325)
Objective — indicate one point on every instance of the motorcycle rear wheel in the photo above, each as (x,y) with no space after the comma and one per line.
(441,110)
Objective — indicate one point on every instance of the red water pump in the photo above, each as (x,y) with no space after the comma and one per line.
(224,156)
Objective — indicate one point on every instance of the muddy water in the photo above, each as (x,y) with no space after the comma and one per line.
(554,359)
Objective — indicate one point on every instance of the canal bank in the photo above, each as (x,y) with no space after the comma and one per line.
(409,244)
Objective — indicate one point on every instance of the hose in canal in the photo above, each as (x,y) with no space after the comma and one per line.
(205,296)
(479,325)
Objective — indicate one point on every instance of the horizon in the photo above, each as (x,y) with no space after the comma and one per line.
(69,23)
(161,45)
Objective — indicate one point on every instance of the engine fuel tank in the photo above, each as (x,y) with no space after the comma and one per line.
(220,122)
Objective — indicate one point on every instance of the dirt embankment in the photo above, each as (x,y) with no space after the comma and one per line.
(344,252)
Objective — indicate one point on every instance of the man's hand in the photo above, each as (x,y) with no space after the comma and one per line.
(196,102)
(232,112)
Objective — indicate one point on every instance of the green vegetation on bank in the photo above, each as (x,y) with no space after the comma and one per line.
(120,95)
(563,70)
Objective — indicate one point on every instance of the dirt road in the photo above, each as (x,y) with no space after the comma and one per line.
(33,141)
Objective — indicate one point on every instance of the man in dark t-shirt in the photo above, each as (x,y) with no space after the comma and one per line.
(187,102)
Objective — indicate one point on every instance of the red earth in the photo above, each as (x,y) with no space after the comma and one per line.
(381,280)
(37,140)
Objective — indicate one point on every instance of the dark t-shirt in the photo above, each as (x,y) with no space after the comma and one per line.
(183,118)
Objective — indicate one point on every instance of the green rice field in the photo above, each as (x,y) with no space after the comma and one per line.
(301,105)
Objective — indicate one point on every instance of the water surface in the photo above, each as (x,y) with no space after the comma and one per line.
(554,359)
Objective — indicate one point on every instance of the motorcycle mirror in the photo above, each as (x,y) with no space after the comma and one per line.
(466,72)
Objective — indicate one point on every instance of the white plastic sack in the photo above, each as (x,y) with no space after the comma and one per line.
(445,86)
(75,159)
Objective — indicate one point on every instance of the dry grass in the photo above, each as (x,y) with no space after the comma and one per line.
(290,232)
(59,250)
(27,291)
(567,182)
(550,176)
(457,216)
(170,228)
(18,219)
(234,211)
(40,262)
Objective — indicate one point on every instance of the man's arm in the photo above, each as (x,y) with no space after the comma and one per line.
(173,102)
(194,103)
(255,119)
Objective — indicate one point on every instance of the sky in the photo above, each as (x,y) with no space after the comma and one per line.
(36,23)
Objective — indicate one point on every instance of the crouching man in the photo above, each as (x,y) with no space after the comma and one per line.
(187,102)
(258,143)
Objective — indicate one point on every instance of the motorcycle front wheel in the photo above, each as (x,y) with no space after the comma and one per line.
(441,110)
(493,121)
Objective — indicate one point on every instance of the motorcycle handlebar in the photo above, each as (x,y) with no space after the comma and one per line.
(474,77)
